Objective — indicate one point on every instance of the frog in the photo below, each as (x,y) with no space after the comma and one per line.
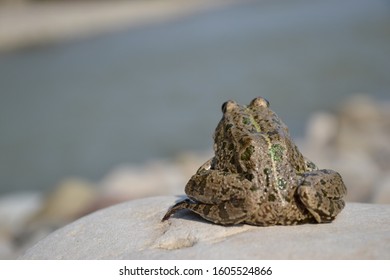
(258,176)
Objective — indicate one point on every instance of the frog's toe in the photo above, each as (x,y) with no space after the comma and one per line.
(184,204)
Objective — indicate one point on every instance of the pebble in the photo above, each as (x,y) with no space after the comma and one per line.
(66,203)
(132,182)
(15,212)
(17,208)
(382,192)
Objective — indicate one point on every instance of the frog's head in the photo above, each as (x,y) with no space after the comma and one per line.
(238,121)
(236,136)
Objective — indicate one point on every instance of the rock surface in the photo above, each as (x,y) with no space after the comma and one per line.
(132,230)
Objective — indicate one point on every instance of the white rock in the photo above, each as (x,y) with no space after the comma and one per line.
(359,173)
(7,250)
(382,191)
(361,108)
(156,177)
(68,201)
(132,182)
(133,230)
(321,131)
(15,212)
(17,208)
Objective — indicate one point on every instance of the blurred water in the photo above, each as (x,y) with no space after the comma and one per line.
(80,108)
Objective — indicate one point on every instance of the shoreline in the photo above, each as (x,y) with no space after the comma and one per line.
(27,25)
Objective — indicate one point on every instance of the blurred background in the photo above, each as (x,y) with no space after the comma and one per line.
(106,101)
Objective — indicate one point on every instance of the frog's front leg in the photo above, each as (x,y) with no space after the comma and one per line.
(322,193)
(215,195)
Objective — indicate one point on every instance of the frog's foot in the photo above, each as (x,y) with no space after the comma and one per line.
(178,206)
(226,213)
(322,193)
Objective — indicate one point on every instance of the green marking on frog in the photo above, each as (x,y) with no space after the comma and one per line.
(276,151)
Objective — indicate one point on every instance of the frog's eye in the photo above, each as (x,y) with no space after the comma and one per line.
(259,102)
(224,107)
(228,106)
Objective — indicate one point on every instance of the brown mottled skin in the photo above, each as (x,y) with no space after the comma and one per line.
(258,176)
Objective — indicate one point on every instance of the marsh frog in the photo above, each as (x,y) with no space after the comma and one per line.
(258,176)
